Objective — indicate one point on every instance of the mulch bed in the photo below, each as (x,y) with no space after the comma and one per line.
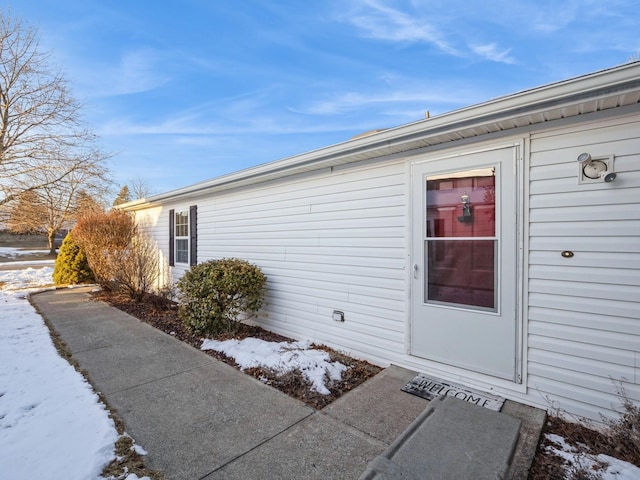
(163,315)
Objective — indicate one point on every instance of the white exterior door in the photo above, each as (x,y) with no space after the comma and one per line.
(464,253)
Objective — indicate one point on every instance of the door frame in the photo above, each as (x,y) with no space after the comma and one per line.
(520,148)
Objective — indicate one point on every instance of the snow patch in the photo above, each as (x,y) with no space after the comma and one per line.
(13,252)
(282,357)
(608,468)
(139,450)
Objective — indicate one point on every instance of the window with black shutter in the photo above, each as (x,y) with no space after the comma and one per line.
(183,236)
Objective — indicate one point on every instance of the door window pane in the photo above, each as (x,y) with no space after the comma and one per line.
(461,272)
(462,204)
(460,239)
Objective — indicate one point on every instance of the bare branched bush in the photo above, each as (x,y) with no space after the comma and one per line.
(138,267)
(105,238)
(623,432)
(167,294)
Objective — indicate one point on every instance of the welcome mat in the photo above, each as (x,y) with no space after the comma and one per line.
(431,387)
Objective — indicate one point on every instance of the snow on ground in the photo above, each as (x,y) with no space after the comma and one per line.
(14,252)
(29,262)
(282,357)
(608,468)
(52,424)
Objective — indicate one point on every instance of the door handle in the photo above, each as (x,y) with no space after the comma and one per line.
(415,270)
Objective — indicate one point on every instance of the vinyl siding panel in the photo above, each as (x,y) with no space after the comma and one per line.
(330,240)
(584,312)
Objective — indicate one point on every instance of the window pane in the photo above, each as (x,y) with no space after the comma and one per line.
(462,204)
(461,272)
(182,224)
(182,251)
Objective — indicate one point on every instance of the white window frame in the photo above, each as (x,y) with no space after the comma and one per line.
(181,236)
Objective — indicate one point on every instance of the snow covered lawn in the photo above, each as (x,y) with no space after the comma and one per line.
(52,425)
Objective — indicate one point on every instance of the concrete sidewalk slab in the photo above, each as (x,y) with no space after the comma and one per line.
(378,407)
(200,420)
(317,448)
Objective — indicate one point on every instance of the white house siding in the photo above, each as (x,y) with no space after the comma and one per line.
(584,312)
(337,239)
(329,240)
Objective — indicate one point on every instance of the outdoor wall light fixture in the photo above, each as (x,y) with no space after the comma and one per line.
(466,209)
(595,169)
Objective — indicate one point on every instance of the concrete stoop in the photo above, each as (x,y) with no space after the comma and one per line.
(451,439)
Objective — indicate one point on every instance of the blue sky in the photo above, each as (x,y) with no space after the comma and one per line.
(185,91)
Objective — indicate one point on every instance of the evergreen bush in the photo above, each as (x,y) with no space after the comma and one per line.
(71,266)
(214,294)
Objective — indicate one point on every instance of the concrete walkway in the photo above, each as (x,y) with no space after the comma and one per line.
(201,419)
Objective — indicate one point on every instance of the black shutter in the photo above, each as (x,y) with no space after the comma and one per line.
(172,237)
(193,235)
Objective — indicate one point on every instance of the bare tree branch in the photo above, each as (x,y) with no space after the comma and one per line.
(43,141)
(140,188)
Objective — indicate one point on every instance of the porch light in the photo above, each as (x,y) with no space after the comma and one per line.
(595,169)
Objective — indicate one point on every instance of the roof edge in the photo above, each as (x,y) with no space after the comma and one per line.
(600,83)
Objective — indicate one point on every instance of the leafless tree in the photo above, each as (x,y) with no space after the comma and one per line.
(27,215)
(140,188)
(42,137)
(55,205)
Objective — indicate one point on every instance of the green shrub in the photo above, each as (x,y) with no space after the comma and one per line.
(71,264)
(214,294)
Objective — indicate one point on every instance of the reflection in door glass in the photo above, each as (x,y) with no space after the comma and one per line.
(461,242)
(462,204)
(461,272)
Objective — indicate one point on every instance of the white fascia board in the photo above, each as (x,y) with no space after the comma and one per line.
(612,81)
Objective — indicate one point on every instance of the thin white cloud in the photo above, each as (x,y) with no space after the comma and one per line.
(135,71)
(379,21)
(490,51)
(412,25)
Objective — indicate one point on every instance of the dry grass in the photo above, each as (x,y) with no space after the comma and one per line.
(128,461)
(620,438)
